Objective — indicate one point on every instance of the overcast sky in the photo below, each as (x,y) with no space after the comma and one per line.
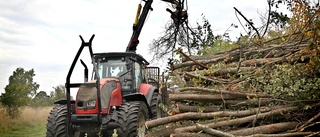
(44,34)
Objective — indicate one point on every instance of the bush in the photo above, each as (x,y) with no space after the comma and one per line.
(286,81)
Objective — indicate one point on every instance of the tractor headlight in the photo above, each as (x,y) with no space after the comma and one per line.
(91,103)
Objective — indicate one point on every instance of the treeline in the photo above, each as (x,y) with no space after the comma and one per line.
(43,99)
(22,91)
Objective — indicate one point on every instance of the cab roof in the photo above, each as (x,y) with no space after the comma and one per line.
(120,54)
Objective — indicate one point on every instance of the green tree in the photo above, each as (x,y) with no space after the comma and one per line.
(19,91)
(59,93)
(41,99)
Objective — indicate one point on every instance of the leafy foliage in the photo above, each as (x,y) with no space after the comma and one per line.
(42,99)
(19,91)
(289,82)
(59,93)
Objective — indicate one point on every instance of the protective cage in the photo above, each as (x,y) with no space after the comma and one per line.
(153,76)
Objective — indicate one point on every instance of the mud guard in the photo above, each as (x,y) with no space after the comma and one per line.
(148,90)
(150,93)
(138,97)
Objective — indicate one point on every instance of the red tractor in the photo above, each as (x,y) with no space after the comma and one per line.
(121,96)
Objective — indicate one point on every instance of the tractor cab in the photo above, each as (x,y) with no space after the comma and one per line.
(128,67)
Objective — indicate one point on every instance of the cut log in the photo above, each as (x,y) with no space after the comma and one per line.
(296,134)
(164,132)
(190,63)
(181,82)
(181,116)
(198,97)
(231,71)
(252,102)
(237,120)
(190,135)
(206,57)
(213,131)
(259,62)
(214,80)
(195,61)
(195,115)
(238,94)
(185,108)
(266,129)
(272,51)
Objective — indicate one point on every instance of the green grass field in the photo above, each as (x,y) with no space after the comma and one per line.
(31,123)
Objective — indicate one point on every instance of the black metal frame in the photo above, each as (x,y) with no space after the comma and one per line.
(154,77)
(69,85)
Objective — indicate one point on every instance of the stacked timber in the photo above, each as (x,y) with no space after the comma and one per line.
(208,101)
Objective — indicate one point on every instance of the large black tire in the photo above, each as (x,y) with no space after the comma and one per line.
(156,100)
(57,125)
(132,117)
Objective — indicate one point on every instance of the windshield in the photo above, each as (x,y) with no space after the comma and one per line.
(112,68)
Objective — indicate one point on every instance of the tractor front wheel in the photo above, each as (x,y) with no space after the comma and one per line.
(131,118)
(57,123)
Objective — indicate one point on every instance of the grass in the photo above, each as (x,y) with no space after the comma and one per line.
(31,123)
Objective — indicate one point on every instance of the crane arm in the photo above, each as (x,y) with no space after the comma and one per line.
(140,19)
(138,24)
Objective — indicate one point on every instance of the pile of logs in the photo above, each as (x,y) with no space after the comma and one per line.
(203,110)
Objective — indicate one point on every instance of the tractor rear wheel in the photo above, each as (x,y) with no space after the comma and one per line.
(131,118)
(156,110)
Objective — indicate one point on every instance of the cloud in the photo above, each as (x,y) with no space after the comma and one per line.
(44,35)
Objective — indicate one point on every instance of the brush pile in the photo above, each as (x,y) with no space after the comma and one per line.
(264,90)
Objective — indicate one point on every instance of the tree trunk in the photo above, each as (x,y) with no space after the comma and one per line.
(213,131)
(185,108)
(297,134)
(235,93)
(182,116)
(251,102)
(207,98)
(190,135)
(196,115)
(238,120)
(214,80)
(266,129)
(164,132)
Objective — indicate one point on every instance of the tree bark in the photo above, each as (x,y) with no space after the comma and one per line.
(296,134)
(181,116)
(198,97)
(235,93)
(181,82)
(195,61)
(185,108)
(259,62)
(214,80)
(190,63)
(196,115)
(251,102)
(237,120)
(213,131)
(190,135)
(164,132)
(231,71)
(266,129)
